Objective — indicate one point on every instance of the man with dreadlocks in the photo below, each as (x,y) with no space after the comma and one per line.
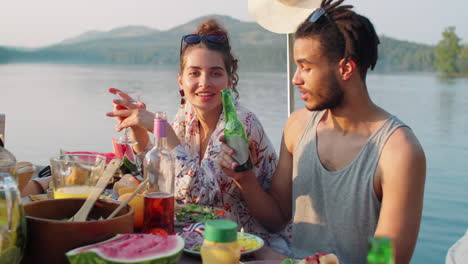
(348,169)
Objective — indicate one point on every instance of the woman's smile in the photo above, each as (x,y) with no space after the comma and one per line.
(205,95)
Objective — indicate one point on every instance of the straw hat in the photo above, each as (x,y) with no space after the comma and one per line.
(281,16)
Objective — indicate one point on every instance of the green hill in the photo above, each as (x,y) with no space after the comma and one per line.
(256,48)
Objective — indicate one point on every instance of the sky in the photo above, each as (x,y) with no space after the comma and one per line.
(39,23)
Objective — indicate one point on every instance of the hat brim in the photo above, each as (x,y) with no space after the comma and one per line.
(277,17)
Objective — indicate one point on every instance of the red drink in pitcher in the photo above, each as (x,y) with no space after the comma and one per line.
(158,213)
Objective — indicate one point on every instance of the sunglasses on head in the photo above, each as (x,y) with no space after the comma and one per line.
(317,14)
(197,38)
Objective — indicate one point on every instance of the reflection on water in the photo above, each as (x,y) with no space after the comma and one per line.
(49,107)
(446,81)
(446,109)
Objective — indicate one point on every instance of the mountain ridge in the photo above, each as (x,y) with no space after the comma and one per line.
(255,47)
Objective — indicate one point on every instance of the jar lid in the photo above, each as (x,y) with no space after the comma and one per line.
(219,230)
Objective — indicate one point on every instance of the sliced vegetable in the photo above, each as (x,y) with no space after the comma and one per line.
(197,214)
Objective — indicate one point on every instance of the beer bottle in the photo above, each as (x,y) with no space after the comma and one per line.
(380,251)
(234,133)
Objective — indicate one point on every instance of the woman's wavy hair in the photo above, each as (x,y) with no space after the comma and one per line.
(212,26)
(343,34)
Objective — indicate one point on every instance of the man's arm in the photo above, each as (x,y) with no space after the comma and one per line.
(400,182)
(273,209)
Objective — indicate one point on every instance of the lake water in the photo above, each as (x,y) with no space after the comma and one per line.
(50,107)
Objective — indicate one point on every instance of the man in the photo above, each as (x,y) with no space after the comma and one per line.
(348,170)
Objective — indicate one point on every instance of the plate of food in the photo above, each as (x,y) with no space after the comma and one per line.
(187,214)
(249,243)
(326,258)
(193,237)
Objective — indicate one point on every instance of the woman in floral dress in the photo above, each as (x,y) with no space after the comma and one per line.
(206,67)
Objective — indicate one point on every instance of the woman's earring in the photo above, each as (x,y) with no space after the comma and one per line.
(182,98)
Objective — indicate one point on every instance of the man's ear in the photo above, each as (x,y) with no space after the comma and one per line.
(347,68)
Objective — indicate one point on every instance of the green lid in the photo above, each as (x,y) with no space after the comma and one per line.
(218,230)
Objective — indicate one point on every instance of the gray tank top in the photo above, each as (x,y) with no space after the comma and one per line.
(336,211)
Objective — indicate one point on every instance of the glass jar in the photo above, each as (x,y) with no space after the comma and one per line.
(12,220)
(220,245)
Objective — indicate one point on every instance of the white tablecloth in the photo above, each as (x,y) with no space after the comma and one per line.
(458,253)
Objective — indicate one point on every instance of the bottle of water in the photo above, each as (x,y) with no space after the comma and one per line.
(158,166)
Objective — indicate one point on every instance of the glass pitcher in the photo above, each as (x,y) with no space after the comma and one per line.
(12,220)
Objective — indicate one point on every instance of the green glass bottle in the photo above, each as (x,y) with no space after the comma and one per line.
(234,133)
(380,251)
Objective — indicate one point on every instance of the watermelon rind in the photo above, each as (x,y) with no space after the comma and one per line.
(127,163)
(94,256)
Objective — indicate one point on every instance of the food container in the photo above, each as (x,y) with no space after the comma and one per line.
(50,235)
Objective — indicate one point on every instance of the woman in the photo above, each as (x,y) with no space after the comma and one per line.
(206,67)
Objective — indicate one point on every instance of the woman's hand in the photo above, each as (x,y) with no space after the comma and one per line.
(129,112)
(228,164)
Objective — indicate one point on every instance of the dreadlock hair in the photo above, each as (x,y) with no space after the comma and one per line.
(343,34)
(212,26)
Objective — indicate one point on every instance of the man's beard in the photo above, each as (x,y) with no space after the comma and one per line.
(332,98)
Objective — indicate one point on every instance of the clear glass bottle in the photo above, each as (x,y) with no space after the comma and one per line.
(380,251)
(158,166)
(234,133)
(220,245)
(12,220)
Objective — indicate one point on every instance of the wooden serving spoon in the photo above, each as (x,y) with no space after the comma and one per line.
(82,214)
(124,203)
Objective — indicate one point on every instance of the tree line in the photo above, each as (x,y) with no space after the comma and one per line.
(265,52)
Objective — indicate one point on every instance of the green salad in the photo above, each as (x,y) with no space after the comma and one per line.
(194,213)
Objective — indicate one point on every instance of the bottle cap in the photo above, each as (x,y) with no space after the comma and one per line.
(218,230)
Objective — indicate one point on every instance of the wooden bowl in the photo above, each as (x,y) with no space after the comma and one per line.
(50,236)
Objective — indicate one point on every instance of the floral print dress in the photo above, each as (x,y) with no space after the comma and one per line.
(204,182)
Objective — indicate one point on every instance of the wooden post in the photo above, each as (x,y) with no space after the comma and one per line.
(290,67)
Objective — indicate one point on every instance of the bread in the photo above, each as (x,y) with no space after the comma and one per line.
(328,259)
(127,183)
(24,171)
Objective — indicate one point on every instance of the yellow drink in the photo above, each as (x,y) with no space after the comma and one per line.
(220,253)
(72,192)
(12,241)
(220,245)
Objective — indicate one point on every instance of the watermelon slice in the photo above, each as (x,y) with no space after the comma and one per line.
(130,248)
(123,150)
(125,153)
